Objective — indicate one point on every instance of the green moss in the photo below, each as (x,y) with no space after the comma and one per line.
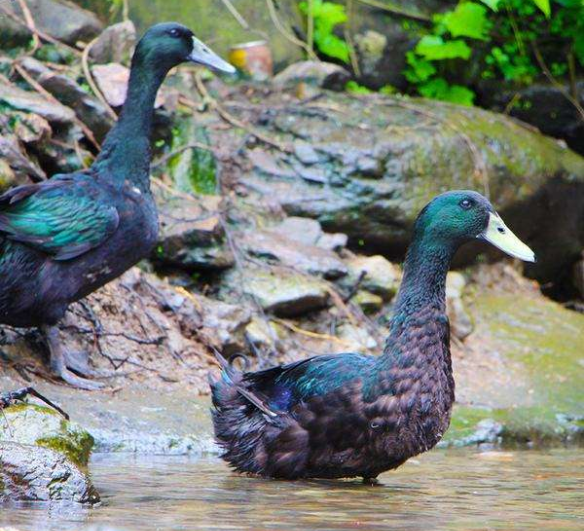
(193,170)
(33,424)
(76,446)
(544,342)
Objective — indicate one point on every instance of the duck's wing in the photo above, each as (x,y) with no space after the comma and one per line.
(64,217)
(281,388)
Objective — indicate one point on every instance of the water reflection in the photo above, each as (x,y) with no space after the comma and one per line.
(449,490)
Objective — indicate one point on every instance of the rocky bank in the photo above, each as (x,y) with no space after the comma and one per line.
(285,211)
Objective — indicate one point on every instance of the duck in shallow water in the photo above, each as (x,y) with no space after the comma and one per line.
(62,239)
(351,415)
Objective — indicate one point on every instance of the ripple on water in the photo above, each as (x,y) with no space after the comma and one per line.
(442,490)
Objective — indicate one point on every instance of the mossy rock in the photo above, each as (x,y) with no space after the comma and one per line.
(41,426)
(382,159)
(541,401)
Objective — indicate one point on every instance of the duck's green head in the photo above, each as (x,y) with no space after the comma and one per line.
(168,44)
(454,218)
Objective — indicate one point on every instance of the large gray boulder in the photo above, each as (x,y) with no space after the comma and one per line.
(375,161)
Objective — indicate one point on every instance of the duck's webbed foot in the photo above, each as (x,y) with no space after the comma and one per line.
(372,481)
(8,399)
(63,364)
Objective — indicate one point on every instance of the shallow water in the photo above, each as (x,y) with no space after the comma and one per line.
(444,489)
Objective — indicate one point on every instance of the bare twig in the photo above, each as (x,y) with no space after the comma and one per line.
(310,26)
(236,14)
(348,33)
(91,81)
(547,73)
(290,37)
(191,145)
(31,25)
(41,90)
(308,333)
(397,9)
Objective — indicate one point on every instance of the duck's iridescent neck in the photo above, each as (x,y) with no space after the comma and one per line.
(125,154)
(424,281)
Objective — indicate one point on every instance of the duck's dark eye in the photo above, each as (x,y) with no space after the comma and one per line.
(174,32)
(466,204)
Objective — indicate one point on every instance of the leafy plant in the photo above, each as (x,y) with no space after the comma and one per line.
(327,16)
(510,52)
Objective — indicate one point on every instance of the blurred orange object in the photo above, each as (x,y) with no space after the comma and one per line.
(253,58)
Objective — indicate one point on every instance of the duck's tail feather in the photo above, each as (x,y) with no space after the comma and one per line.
(240,418)
(235,377)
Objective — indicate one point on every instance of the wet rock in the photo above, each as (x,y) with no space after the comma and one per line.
(460,322)
(33,473)
(369,302)
(32,102)
(578,275)
(377,274)
(112,80)
(115,44)
(191,233)
(13,154)
(228,322)
(275,247)
(486,431)
(41,426)
(60,19)
(356,339)
(87,108)
(280,291)
(543,106)
(30,128)
(318,73)
(308,231)
(40,457)
(384,159)
(260,333)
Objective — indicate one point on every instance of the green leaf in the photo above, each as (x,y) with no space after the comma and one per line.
(331,45)
(545,7)
(434,48)
(579,47)
(354,88)
(326,17)
(467,20)
(420,70)
(493,4)
(439,89)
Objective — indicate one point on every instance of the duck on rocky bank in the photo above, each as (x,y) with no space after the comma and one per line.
(64,238)
(352,415)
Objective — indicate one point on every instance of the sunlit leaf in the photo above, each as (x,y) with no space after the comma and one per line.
(439,89)
(434,48)
(545,7)
(327,16)
(579,47)
(354,88)
(493,4)
(467,20)
(421,70)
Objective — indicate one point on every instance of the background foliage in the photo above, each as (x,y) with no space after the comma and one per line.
(516,41)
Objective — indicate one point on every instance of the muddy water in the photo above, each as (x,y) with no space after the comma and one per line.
(445,489)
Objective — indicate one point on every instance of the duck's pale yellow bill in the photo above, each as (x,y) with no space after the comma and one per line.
(203,55)
(498,234)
